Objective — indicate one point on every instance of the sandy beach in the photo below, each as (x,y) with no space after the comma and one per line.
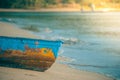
(61,10)
(56,72)
(41,10)
(7,29)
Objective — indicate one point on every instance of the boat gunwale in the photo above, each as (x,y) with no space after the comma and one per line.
(23,38)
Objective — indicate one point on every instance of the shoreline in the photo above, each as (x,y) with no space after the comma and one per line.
(56,72)
(41,10)
(60,10)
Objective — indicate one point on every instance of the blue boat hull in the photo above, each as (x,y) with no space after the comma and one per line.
(28,53)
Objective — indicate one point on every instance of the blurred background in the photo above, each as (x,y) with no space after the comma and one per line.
(81,4)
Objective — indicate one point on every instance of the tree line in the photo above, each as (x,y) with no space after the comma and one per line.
(31,4)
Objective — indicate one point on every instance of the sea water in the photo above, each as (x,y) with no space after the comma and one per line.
(91,40)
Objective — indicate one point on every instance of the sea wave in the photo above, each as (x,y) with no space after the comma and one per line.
(97,66)
(48,35)
(64,59)
(114,51)
(31,28)
(7,20)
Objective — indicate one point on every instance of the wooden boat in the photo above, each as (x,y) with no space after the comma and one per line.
(28,53)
